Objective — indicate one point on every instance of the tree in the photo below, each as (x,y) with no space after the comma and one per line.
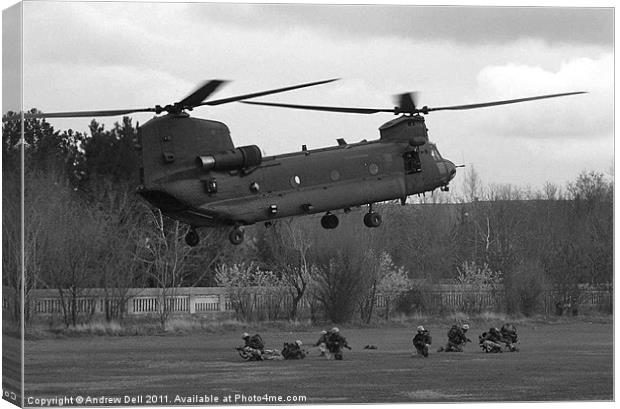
(288,246)
(382,278)
(160,244)
(254,293)
(73,239)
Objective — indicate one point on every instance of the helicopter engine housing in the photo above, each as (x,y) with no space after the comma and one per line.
(238,158)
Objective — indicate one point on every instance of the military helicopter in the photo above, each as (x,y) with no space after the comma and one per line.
(191,170)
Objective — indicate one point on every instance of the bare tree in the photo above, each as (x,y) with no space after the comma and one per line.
(161,246)
(289,245)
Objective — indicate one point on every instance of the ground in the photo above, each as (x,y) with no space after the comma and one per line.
(557,362)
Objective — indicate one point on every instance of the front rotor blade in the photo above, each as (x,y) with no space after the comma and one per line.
(322,108)
(407,102)
(202,93)
(260,94)
(508,101)
(77,114)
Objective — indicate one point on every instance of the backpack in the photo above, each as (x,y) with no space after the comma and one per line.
(256,342)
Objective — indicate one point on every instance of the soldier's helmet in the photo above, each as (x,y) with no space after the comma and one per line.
(245,335)
(335,330)
(421,328)
(465,327)
(299,343)
(324,332)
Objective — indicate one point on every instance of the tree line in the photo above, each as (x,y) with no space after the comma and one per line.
(84,228)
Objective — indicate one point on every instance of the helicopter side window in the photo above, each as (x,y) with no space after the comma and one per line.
(412,161)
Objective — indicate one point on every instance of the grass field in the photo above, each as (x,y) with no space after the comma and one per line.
(557,362)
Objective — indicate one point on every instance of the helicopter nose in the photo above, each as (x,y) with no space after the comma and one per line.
(451,169)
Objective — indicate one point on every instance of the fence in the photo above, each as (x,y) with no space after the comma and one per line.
(215,302)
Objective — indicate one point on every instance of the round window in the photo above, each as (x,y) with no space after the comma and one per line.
(295,181)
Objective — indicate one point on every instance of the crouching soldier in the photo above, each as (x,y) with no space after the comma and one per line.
(509,337)
(490,341)
(422,341)
(293,350)
(253,349)
(322,342)
(457,339)
(335,344)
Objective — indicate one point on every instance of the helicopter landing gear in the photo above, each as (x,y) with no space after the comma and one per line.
(192,237)
(236,235)
(372,219)
(329,221)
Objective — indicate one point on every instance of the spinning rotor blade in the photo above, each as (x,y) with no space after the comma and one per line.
(505,102)
(77,114)
(407,105)
(201,93)
(194,99)
(260,94)
(323,108)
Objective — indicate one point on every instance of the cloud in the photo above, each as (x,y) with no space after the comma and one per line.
(580,116)
(465,25)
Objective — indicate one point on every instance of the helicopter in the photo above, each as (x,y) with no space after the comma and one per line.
(191,170)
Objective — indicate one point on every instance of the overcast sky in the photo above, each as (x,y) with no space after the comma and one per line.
(83,56)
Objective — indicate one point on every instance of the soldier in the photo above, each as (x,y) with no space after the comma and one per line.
(509,336)
(422,341)
(293,350)
(335,344)
(456,339)
(322,342)
(253,349)
(490,341)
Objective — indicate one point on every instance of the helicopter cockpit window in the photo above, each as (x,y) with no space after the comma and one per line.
(435,154)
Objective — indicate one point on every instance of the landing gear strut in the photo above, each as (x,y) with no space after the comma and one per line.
(236,235)
(329,221)
(372,219)
(192,237)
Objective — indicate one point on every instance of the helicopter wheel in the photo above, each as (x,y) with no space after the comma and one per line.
(236,236)
(372,219)
(192,237)
(329,221)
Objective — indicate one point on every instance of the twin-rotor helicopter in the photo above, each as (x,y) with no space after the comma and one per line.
(191,170)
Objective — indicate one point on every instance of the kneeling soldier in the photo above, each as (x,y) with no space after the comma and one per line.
(422,341)
(509,335)
(335,344)
(456,339)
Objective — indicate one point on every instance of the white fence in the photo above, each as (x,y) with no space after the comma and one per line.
(214,301)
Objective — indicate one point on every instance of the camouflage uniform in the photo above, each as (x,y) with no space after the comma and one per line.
(422,341)
(456,339)
(293,350)
(322,342)
(253,349)
(490,341)
(335,344)
(509,336)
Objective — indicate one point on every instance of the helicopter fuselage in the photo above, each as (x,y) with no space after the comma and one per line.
(189,186)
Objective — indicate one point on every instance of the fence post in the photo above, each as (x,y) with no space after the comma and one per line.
(191,308)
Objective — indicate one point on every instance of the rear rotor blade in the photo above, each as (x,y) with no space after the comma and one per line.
(494,103)
(322,108)
(76,114)
(201,93)
(260,94)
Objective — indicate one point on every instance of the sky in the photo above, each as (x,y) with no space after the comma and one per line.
(111,55)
